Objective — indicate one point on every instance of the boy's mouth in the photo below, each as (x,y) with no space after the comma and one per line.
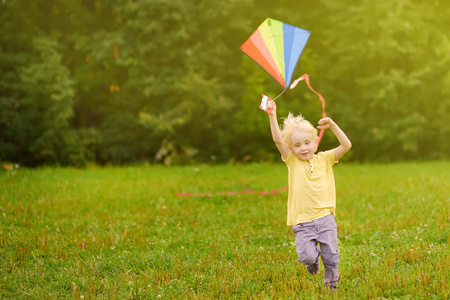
(305,154)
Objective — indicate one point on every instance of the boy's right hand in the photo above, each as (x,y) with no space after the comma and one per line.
(271,107)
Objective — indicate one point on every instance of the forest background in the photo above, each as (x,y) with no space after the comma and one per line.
(164,81)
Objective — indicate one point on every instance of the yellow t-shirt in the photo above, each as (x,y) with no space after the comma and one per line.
(312,192)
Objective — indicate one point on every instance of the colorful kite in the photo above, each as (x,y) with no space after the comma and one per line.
(276,47)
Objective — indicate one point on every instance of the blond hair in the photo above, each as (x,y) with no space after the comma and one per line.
(292,123)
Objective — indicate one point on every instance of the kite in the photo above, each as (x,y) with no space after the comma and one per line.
(276,47)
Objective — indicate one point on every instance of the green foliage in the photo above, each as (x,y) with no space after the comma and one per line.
(120,232)
(164,81)
(50,100)
(389,77)
(37,100)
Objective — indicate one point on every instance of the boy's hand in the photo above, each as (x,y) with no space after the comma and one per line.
(271,107)
(326,123)
(345,144)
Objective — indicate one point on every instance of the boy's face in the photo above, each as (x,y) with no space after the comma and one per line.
(303,145)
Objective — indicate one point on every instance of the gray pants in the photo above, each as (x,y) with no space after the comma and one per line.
(322,231)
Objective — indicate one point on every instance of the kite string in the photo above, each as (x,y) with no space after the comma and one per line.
(280,94)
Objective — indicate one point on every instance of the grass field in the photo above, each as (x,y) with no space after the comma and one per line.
(122,233)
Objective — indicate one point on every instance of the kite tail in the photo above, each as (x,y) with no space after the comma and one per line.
(306,78)
(231,193)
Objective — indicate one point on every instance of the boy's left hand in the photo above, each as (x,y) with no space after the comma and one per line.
(326,123)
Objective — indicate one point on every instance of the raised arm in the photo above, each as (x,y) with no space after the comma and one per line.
(276,132)
(345,143)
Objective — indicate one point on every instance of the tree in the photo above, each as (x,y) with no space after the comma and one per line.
(380,61)
(36,101)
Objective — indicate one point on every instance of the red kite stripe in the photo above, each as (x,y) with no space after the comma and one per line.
(255,47)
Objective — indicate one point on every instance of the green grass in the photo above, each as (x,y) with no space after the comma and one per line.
(122,233)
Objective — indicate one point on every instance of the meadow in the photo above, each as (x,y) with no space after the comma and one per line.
(125,233)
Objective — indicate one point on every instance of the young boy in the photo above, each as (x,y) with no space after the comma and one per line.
(312,192)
